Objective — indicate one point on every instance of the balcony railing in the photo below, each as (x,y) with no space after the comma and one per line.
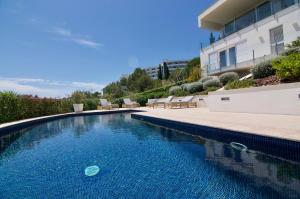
(211,70)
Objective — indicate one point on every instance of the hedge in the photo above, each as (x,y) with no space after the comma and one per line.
(17,107)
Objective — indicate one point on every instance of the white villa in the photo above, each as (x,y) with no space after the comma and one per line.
(251,31)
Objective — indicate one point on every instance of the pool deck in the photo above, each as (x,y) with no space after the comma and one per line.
(278,126)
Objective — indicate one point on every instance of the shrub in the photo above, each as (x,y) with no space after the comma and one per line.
(174,89)
(288,68)
(77,97)
(240,84)
(185,87)
(17,107)
(209,89)
(194,87)
(228,77)
(90,104)
(204,79)
(212,83)
(291,51)
(180,93)
(264,69)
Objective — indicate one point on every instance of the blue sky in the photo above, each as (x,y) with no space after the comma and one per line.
(52,47)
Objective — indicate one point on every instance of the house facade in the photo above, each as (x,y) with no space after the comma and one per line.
(251,31)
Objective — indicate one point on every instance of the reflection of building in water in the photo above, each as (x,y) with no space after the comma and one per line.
(275,173)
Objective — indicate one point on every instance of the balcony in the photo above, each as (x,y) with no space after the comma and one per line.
(218,69)
(223,11)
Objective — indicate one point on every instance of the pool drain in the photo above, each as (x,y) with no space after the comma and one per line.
(91,170)
(238,146)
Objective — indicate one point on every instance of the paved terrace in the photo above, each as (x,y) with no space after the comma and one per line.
(280,126)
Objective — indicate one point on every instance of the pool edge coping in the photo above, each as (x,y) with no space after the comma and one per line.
(210,128)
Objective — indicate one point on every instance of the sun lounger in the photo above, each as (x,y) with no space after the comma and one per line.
(151,102)
(104,104)
(130,104)
(186,102)
(163,102)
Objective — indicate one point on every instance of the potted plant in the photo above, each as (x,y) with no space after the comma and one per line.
(77,97)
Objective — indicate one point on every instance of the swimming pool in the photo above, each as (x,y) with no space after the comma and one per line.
(135,160)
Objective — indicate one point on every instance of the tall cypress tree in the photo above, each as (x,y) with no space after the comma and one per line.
(159,74)
(166,71)
(212,38)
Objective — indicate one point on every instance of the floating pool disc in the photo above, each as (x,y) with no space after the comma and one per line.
(238,146)
(91,170)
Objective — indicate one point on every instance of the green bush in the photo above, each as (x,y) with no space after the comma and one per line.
(228,77)
(205,79)
(194,87)
(185,86)
(215,82)
(240,84)
(288,67)
(17,107)
(264,69)
(90,104)
(175,89)
(209,89)
(180,93)
(77,97)
(291,50)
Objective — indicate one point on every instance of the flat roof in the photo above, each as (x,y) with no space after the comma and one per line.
(223,11)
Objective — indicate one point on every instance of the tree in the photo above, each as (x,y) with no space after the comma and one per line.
(139,81)
(195,75)
(212,38)
(177,75)
(159,74)
(114,90)
(166,71)
(195,62)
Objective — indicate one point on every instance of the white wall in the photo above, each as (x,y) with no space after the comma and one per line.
(257,36)
(278,99)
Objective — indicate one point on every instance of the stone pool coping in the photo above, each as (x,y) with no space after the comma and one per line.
(16,125)
(200,122)
(270,125)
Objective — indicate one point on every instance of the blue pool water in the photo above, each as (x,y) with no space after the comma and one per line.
(135,160)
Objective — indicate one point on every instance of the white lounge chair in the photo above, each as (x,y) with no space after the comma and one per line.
(130,104)
(186,102)
(104,104)
(151,102)
(163,102)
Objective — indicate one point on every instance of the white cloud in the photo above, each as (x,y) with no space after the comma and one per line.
(62,31)
(87,43)
(75,38)
(46,88)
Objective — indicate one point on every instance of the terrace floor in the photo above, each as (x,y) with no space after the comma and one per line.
(281,126)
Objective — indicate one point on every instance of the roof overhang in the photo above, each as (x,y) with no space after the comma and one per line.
(223,11)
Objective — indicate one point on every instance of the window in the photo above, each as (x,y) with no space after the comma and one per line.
(277,40)
(264,11)
(232,56)
(229,28)
(245,20)
(279,5)
(223,60)
(287,3)
(213,62)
